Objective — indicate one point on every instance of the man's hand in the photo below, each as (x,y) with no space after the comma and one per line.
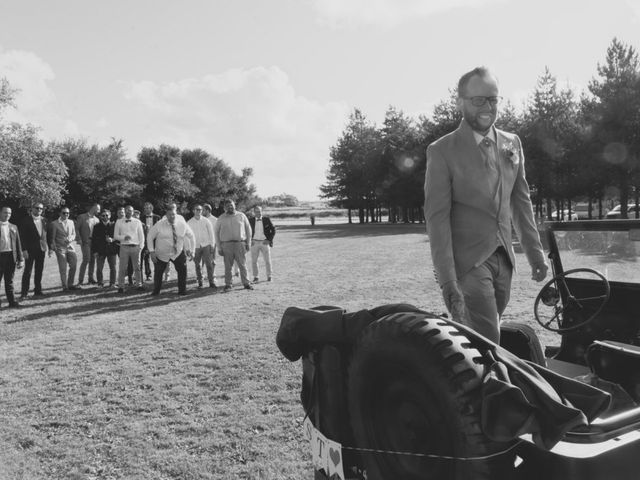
(247,247)
(188,254)
(127,238)
(454,300)
(153,257)
(25,255)
(19,265)
(220,252)
(50,253)
(539,272)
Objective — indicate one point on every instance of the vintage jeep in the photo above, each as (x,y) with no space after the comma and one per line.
(398,393)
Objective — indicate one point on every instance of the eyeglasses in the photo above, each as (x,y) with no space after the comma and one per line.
(198,209)
(481,101)
(38,208)
(65,213)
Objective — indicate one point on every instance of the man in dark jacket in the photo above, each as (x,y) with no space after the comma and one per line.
(261,241)
(105,247)
(148,219)
(33,236)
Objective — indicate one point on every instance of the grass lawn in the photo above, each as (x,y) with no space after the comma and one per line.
(97,385)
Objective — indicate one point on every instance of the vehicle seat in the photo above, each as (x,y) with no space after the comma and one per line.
(618,363)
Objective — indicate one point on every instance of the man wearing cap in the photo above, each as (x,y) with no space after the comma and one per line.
(10,254)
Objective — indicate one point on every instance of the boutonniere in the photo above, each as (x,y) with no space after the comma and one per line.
(511,153)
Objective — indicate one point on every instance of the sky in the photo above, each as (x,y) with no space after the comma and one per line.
(270,84)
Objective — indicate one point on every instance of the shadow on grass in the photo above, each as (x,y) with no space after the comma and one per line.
(96,301)
(354,230)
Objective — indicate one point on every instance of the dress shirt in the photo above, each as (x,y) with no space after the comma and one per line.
(131,227)
(38,221)
(5,241)
(232,228)
(259,233)
(160,239)
(203,231)
(213,219)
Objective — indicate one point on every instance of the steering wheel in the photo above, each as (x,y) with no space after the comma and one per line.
(571,306)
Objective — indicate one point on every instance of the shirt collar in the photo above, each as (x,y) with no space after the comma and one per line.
(491,136)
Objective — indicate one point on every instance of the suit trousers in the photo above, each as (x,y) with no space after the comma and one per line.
(111,261)
(486,289)
(37,259)
(87,260)
(66,258)
(204,255)
(7,270)
(257,247)
(234,252)
(180,263)
(129,253)
(145,262)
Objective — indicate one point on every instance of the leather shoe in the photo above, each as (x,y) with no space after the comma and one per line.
(248,286)
(15,305)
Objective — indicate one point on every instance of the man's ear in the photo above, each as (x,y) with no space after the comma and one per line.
(459,102)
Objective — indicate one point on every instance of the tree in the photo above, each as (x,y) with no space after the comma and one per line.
(549,127)
(354,167)
(163,177)
(30,170)
(614,113)
(98,174)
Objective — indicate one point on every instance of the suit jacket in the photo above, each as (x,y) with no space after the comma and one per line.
(466,222)
(61,239)
(269,229)
(14,240)
(99,242)
(32,241)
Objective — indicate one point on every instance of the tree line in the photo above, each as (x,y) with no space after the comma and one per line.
(578,146)
(75,173)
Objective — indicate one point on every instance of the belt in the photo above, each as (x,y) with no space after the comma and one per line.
(130,245)
(233,241)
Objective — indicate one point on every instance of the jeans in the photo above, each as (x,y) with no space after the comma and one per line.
(204,255)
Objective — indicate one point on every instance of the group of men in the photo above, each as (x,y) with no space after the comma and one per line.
(136,242)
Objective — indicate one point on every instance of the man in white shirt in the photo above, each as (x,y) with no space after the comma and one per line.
(233,239)
(10,254)
(170,240)
(128,231)
(63,236)
(203,250)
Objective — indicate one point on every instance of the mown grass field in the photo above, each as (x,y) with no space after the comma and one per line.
(97,385)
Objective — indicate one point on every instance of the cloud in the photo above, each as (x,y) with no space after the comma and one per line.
(35,100)
(250,117)
(384,13)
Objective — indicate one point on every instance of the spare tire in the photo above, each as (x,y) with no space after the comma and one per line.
(414,386)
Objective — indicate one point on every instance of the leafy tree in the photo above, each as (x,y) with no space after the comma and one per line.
(548,130)
(163,177)
(98,174)
(215,180)
(614,114)
(30,170)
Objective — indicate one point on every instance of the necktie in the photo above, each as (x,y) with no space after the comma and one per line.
(488,152)
(175,239)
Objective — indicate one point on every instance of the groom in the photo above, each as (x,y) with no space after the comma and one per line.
(475,189)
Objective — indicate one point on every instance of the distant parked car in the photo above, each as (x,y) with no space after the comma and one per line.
(615,212)
(558,216)
(582,211)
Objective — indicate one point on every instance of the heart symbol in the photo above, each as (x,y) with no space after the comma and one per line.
(335,456)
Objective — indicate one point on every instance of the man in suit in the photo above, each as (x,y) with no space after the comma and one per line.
(475,189)
(261,242)
(10,254)
(148,219)
(84,227)
(33,235)
(62,237)
(104,245)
